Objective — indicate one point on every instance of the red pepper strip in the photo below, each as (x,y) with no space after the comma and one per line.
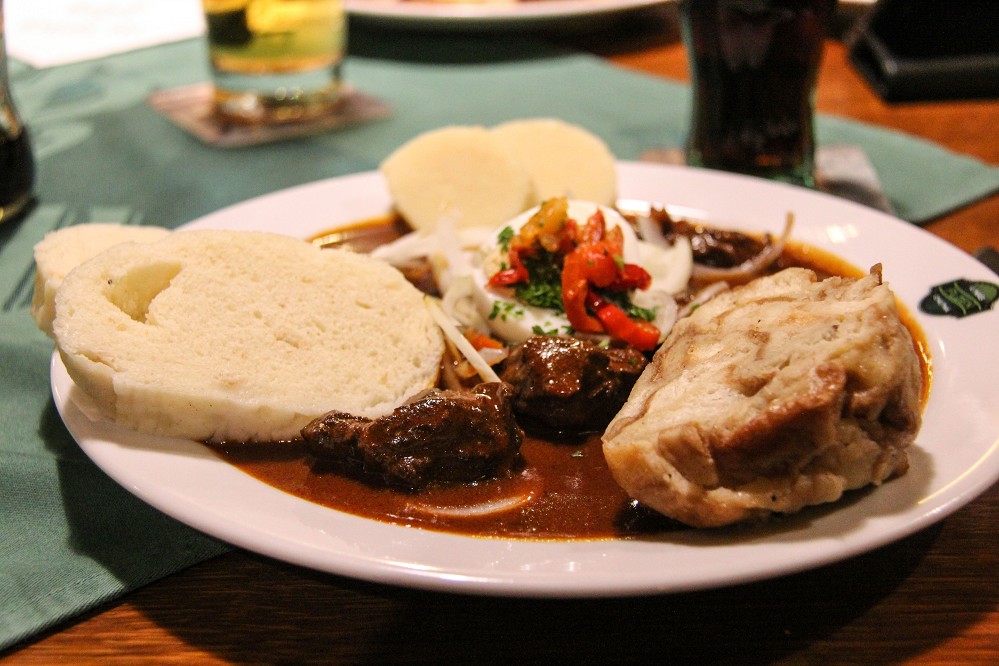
(516,274)
(614,238)
(636,332)
(570,237)
(631,276)
(575,286)
(598,264)
(481,340)
(594,229)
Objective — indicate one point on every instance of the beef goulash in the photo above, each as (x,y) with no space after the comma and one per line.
(567,385)
(770,397)
(437,437)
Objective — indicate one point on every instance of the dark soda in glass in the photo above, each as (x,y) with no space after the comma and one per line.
(753,66)
(17,173)
(17,166)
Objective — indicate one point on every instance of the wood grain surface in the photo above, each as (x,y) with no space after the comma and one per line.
(928,599)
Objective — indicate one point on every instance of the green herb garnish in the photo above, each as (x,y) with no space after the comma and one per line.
(544,287)
(504,310)
(504,238)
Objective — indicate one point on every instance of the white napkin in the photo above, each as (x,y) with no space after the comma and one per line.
(45,33)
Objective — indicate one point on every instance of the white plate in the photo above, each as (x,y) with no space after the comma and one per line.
(473,16)
(955,458)
(489,15)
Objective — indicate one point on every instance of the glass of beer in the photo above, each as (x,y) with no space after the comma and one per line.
(753,66)
(275,61)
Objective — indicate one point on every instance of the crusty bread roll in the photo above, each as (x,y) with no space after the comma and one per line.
(462,175)
(237,336)
(564,160)
(773,396)
(62,250)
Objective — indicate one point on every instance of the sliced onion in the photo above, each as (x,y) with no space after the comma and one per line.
(752,266)
(460,341)
(666,317)
(493,355)
(651,231)
(447,258)
(406,249)
(458,302)
(449,251)
(665,306)
(449,376)
(702,297)
(476,510)
(458,370)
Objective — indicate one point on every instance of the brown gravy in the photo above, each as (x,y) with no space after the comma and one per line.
(571,492)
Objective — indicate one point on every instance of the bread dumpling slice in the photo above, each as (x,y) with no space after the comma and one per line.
(460,174)
(241,336)
(564,160)
(62,250)
(773,396)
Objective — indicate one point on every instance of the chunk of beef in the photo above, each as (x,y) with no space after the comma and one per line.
(570,386)
(438,437)
(719,248)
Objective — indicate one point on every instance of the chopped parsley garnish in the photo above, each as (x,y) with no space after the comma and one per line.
(566,330)
(504,310)
(544,289)
(504,238)
(541,295)
(635,312)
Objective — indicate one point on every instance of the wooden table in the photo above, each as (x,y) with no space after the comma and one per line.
(929,598)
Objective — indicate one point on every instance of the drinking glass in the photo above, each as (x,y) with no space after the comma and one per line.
(275,61)
(753,66)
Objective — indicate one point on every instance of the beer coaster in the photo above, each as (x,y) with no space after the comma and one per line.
(840,169)
(191,108)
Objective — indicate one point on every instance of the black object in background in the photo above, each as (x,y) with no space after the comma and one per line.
(929,49)
(17,165)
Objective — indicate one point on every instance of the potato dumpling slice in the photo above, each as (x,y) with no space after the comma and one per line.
(563,160)
(460,174)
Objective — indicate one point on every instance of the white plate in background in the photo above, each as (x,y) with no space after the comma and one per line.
(404,13)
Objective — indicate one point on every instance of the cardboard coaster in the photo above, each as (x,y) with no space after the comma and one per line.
(191,108)
(842,170)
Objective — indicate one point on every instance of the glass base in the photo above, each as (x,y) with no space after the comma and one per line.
(277,98)
(802,174)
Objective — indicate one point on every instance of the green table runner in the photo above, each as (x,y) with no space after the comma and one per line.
(70,538)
